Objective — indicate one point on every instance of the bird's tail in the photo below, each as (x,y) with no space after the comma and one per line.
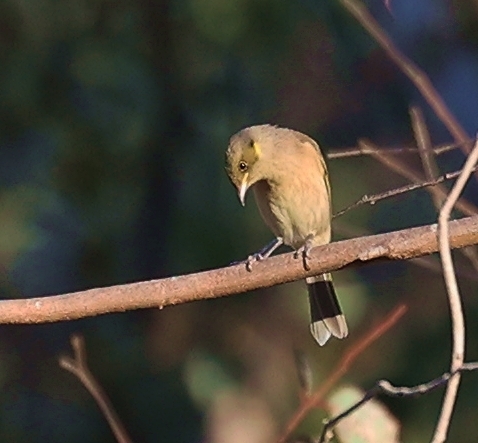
(326,315)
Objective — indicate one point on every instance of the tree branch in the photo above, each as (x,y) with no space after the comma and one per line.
(386,388)
(78,366)
(411,70)
(357,151)
(374,198)
(454,298)
(402,169)
(398,245)
(342,367)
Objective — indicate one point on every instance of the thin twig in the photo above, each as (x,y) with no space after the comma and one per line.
(400,168)
(79,368)
(363,150)
(431,169)
(341,369)
(425,149)
(386,388)
(374,198)
(454,299)
(412,71)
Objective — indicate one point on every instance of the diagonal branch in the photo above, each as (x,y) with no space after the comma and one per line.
(454,299)
(398,245)
(386,388)
(348,358)
(431,169)
(78,366)
(374,198)
(400,168)
(425,149)
(411,70)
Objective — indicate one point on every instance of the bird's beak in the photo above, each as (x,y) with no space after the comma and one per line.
(243,189)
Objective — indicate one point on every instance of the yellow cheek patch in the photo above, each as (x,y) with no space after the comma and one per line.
(257,149)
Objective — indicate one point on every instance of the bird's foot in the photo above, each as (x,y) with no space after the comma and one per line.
(262,254)
(252,259)
(304,253)
(249,261)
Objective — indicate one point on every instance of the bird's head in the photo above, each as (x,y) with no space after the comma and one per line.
(245,163)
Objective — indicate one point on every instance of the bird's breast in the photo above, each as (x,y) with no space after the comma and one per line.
(295,210)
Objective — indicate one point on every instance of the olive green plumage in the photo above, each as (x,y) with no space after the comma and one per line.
(289,178)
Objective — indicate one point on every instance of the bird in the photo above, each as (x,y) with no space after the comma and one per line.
(289,178)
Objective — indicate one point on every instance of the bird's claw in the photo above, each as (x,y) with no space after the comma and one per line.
(249,261)
(253,258)
(262,254)
(304,252)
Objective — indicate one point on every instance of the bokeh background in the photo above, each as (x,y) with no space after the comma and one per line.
(114,118)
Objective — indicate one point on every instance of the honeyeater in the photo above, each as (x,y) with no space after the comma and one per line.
(289,178)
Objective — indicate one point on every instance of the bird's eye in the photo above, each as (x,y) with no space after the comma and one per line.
(242,166)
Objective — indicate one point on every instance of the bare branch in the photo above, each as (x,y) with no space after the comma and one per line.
(398,245)
(430,166)
(385,387)
(411,70)
(454,299)
(425,149)
(367,150)
(342,368)
(79,368)
(400,168)
(374,198)
(430,263)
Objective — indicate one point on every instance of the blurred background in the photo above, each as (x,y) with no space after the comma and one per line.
(114,118)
